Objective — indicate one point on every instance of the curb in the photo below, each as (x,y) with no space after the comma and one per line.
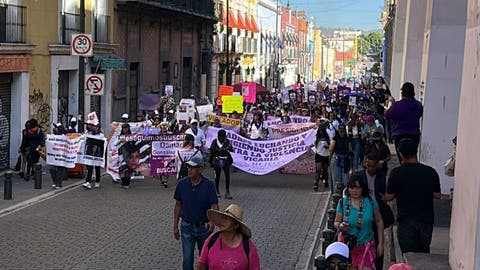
(305,261)
(40,198)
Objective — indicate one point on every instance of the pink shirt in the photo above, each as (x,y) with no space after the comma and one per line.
(222,257)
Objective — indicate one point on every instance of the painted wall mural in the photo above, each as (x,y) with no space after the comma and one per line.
(40,109)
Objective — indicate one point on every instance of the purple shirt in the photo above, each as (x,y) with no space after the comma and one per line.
(405,116)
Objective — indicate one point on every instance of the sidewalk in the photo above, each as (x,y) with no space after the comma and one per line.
(23,192)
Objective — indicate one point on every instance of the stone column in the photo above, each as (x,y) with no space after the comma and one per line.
(398,47)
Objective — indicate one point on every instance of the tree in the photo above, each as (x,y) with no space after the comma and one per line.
(370,42)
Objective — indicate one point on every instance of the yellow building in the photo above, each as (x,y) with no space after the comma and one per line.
(318,64)
(38,74)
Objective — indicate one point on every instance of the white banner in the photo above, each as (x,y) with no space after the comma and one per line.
(300,119)
(262,157)
(62,149)
(92,150)
(285,130)
(203,111)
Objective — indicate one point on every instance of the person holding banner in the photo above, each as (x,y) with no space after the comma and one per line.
(256,129)
(58,172)
(93,128)
(221,159)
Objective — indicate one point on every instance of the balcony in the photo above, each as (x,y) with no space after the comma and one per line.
(102,28)
(70,25)
(200,8)
(12,23)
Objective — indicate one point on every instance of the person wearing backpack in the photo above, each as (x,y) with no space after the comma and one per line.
(232,246)
(184,154)
(221,159)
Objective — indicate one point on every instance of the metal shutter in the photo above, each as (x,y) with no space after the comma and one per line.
(5,109)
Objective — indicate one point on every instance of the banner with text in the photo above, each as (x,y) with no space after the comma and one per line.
(262,157)
(285,130)
(225,121)
(62,149)
(92,150)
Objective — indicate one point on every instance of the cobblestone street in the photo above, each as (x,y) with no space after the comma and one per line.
(111,228)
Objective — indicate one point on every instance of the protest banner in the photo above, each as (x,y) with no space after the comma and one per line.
(62,149)
(92,150)
(169,90)
(352,101)
(300,119)
(285,130)
(163,157)
(249,92)
(232,103)
(203,111)
(224,90)
(262,157)
(272,121)
(224,120)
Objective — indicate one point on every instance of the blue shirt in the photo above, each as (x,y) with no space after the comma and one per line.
(365,234)
(196,200)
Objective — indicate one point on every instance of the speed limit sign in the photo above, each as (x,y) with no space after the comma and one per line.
(82,45)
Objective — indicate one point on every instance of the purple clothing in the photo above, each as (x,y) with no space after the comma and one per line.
(405,116)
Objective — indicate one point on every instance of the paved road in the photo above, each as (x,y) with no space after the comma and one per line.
(112,228)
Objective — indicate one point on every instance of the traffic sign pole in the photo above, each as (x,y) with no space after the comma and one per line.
(81,73)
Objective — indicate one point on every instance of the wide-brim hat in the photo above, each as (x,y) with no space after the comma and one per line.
(232,211)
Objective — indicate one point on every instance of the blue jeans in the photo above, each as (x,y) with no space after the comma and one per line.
(337,173)
(191,234)
(357,150)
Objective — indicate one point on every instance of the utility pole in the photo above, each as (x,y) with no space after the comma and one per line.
(227,53)
(81,74)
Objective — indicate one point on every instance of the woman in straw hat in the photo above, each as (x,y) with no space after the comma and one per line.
(231,247)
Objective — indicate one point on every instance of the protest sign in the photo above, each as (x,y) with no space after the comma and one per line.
(262,157)
(249,92)
(224,90)
(62,149)
(92,150)
(352,101)
(272,121)
(169,90)
(232,103)
(203,111)
(163,157)
(224,120)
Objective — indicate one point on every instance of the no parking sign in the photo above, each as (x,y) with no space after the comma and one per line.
(94,84)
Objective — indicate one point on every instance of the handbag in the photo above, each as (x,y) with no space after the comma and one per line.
(387,214)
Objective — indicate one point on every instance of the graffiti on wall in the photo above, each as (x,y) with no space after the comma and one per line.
(40,110)
(4,137)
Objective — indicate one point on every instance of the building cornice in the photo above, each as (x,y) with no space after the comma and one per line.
(103,48)
(17,48)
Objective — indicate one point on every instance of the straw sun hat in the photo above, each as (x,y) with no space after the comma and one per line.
(232,211)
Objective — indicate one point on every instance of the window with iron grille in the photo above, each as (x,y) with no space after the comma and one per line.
(12,23)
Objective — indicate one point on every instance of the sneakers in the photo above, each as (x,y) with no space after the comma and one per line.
(97,185)
(116,181)
(56,187)
(125,187)
(227,196)
(165,184)
(315,187)
(87,185)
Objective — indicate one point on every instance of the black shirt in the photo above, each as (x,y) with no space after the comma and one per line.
(413,185)
(341,145)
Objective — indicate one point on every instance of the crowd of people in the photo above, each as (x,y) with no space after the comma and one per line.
(354,124)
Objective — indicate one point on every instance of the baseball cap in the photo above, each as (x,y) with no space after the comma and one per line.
(193,121)
(125,116)
(401,266)
(338,250)
(73,119)
(196,162)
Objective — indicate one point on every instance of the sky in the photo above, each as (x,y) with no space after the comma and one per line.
(356,14)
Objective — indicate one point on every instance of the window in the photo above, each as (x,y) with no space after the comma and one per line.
(12,23)
(69,21)
(101,21)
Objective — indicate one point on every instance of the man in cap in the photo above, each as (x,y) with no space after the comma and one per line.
(124,117)
(72,128)
(337,256)
(194,195)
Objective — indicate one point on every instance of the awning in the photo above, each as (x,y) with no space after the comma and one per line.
(110,61)
(248,24)
(240,21)
(295,38)
(253,24)
(231,19)
(285,37)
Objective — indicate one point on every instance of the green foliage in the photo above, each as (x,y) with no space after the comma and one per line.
(370,41)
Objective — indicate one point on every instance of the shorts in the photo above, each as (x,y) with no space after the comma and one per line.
(321,159)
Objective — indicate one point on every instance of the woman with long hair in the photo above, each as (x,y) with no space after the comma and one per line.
(184,154)
(354,219)
(339,149)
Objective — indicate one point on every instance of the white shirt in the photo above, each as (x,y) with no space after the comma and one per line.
(321,149)
(199,138)
(256,133)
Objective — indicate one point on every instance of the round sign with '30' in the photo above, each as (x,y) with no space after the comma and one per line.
(82,45)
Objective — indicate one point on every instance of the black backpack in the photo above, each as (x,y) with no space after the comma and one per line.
(183,167)
(246,245)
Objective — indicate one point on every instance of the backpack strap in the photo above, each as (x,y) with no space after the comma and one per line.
(180,157)
(213,239)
